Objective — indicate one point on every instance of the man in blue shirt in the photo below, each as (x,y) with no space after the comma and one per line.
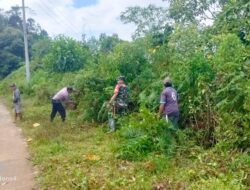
(169,108)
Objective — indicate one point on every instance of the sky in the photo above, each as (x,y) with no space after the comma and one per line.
(76,17)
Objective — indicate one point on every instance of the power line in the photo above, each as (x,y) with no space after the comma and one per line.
(52,15)
(62,14)
(47,13)
(58,18)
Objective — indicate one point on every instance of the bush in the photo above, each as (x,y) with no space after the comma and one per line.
(143,133)
(66,55)
(232,93)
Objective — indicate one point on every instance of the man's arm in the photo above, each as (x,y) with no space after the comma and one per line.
(113,98)
(161,109)
(162,104)
(116,91)
(69,102)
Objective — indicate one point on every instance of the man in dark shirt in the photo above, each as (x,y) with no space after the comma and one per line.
(169,108)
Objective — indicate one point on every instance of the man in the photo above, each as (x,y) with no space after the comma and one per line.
(16,101)
(118,102)
(63,96)
(169,108)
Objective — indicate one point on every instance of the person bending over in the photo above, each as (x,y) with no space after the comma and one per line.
(61,97)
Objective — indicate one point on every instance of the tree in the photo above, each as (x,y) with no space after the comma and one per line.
(108,43)
(66,55)
(235,18)
(34,30)
(14,17)
(11,45)
(3,20)
(41,47)
(147,19)
(9,62)
(189,11)
(11,38)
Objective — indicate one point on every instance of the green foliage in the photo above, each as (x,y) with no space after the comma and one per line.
(234,18)
(185,43)
(215,183)
(143,133)
(108,43)
(97,87)
(66,55)
(195,92)
(11,39)
(11,44)
(131,59)
(147,20)
(14,17)
(232,93)
(188,11)
(41,48)
(93,95)
(9,63)
(149,97)
(135,149)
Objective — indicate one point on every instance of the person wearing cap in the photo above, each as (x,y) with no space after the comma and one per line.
(118,102)
(61,97)
(169,108)
(16,101)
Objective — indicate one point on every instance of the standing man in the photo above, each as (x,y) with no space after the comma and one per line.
(118,102)
(16,97)
(169,108)
(57,102)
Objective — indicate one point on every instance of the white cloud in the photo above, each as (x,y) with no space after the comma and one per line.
(60,17)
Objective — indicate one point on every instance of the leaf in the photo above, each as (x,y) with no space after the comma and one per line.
(29,139)
(92,157)
(36,125)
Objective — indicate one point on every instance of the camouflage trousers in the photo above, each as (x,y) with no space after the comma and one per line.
(113,114)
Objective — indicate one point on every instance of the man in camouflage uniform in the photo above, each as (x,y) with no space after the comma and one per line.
(118,102)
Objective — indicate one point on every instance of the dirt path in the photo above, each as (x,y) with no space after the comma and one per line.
(15,168)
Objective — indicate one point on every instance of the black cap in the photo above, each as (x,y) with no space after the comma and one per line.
(121,78)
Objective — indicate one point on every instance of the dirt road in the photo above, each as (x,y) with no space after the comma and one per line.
(15,168)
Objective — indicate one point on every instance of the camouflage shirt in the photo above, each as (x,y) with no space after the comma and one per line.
(122,97)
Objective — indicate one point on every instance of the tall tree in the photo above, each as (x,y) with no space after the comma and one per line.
(11,38)
(14,17)
(194,11)
(147,20)
(11,45)
(107,43)
(235,18)
(66,55)
(3,20)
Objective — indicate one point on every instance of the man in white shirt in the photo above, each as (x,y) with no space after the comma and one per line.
(61,97)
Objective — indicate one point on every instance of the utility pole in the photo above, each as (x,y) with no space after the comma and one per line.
(27,64)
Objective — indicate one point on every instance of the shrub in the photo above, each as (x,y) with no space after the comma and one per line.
(143,133)
(66,55)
